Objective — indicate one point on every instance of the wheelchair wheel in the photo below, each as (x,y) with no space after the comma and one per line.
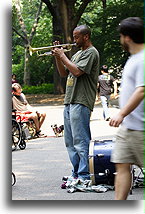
(13,179)
(16,134)
(22,144)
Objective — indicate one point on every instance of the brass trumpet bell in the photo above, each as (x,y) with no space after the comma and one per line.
(66,47)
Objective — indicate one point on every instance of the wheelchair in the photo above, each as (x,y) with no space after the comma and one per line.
(26,128)
(18,135)
(13,179)
(27,125)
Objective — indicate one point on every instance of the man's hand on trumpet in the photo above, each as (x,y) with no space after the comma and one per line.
(57,52)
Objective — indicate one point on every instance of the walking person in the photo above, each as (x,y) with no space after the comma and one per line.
(81,87)
(105,84)
(129,146)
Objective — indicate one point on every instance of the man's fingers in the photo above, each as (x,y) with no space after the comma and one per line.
(56,43)
(114,123)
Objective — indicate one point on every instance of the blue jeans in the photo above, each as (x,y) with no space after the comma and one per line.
(77,138)
(105,104)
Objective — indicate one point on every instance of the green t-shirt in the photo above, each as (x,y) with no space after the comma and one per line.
(83,89)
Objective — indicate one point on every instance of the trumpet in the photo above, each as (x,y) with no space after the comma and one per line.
(66,47)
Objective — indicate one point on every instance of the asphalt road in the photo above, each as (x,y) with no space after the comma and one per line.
(40,167)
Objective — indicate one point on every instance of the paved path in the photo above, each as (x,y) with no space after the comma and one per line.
(40,167)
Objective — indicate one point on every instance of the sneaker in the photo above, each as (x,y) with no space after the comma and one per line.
(63,185)
(107,119)
(39,134)
(67,180)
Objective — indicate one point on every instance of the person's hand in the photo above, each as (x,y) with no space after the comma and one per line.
(97,98)
(56,43)
(57,52)
(116,120)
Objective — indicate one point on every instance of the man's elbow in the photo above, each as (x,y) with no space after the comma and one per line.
(78,73)
(141,92)
(63,75)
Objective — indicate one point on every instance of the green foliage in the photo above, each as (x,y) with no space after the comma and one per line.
(41,68)
(41,89)
(18,54)
(18,69)
(18,62)
(104,22)
(105,38)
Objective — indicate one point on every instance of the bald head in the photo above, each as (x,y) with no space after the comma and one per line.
(84,30)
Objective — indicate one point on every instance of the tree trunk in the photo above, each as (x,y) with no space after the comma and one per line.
(59,83)
(103,33)
(65,17)
(104,3)
(62,31)
(26,68)
(27,39)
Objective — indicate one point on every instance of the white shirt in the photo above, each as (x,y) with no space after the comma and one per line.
(20,105)
(133,77)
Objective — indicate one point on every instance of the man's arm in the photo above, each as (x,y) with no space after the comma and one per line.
(132,103)
(61,60)
(98,88)
(61,68)
(115,88)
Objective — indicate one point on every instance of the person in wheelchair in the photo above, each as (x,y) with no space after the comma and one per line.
(20,103)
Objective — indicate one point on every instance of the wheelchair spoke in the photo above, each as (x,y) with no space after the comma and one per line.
(16,134)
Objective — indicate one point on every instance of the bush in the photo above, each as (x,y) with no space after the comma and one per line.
(41,89)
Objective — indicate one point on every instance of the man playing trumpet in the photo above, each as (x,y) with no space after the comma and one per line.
(82,75)
(66,47)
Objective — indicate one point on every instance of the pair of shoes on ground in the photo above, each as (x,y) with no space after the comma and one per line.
(39,134)
(71,181)
(67,181)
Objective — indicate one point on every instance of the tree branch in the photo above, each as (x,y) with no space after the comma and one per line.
(80,11)
(50,7)
(26,41)
(72,2)
(104,4)
(20,18)
(36,22)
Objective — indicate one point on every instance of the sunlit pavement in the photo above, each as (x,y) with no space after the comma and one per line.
(40,167)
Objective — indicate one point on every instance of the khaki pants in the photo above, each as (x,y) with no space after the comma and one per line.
(129,147)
